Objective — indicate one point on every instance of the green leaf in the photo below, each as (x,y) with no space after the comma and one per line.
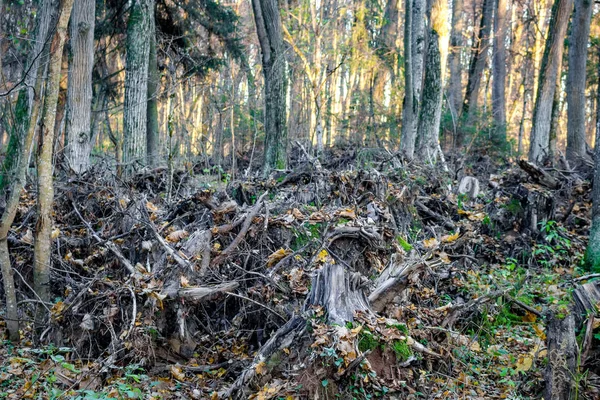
(324,382)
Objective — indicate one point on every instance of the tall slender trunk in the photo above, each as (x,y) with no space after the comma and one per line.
(456,43)
(270,36)
(592,255)
(43,242)
(478,62)
(539,149)
(428,145)
(37,59)
(578,43)
(499,69)
(79,92)
(136,83)
(414,43)
(152,138)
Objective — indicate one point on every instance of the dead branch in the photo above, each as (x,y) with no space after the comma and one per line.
(199,292)
(430,213)
(238,239)
(538,174)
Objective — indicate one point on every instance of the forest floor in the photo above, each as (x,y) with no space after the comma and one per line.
(168,288)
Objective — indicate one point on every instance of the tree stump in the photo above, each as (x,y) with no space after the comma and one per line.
(562,357)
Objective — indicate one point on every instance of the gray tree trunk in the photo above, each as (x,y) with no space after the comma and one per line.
(79,92)
(592,255)
(152,138)
(136,83)
(539,149)
(428,146)
(414,43)
(455,96)
(478,61)
(270,36)
(578,44)
(499,68)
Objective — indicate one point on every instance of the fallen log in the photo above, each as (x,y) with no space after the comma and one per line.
(538,174)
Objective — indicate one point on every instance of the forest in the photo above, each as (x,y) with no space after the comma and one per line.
(300,199)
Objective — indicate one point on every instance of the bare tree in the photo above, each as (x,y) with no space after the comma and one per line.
(414,43)
(270,36)
(152,138)
(79,92)
(539,150)
(578,44)
(499,68)
(428,145)
(43,242)
(478,61)
(136,82)
(455,96)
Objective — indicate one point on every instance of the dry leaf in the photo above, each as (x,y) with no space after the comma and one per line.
(524,364)
(347,213)
(177,373)
(430,243)
(277,256)
(176,236)
(261,368)
(151,207)
(185,282)
(450,238)
(55,233)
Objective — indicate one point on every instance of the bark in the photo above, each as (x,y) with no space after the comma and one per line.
(24,105)
(539,149)
(456,44)
(136,83)
(414,41)
(562,357)
(478,62)
(79,92)
(270,37)
(578,43)
(592,255)
(499,68)
(152,138)
(428,146)
(8,216)
(43,242)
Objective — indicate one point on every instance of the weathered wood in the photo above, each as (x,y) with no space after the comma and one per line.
(538,174)
(562,357)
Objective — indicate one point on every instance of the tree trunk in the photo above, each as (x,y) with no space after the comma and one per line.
(499,69)
(428,146)
(79,92)
(43,243)
(152,138)
(136,83)
(269,31)
(456,44)
(592,255)
(8,215)
(539,149)
(414,42)
(24,105)
(578,43)
(562,357)
(478,62)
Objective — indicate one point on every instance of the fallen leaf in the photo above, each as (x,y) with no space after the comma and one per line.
(450,238)
(178,235)
(261,368)
(430,243)
(277,256)
(177,373)
(524,364)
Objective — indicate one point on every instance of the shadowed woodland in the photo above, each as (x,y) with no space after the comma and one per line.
(300,199)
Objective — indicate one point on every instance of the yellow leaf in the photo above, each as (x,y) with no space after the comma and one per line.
(347,213)
(430,243)
(524,364)
(277,256)
(55,233)
(529,317)
(450,238)
(322,256)
(57,308)
(177,373)
(261,368)
(539,331)
(214,396)
(444,257)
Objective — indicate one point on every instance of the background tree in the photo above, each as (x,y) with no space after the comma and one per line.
(414,42)
(428,146)
(455,95)
(79,93)
(136,82)
(43,242)
(499,68)
(539,149)
(270,36)
(576,80)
